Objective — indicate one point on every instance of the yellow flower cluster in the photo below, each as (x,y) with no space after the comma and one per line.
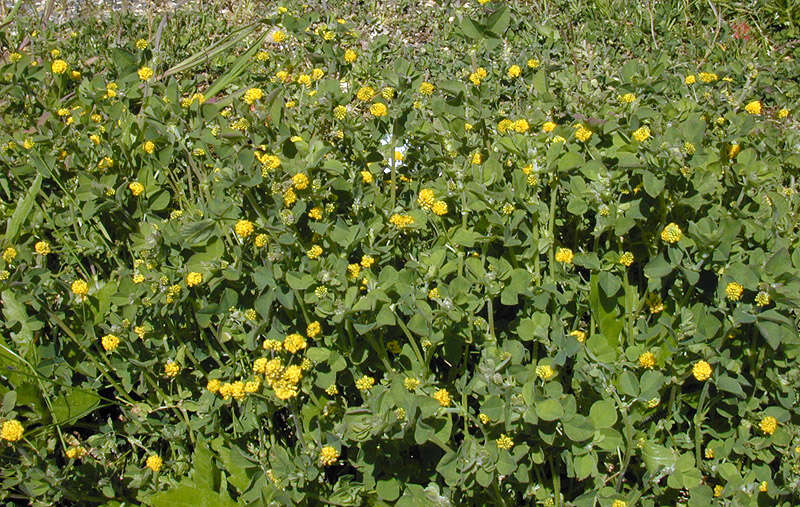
(443,397)
(59,67)
(701,370)
(9,254)
(627,98)
(194,278)
(626,259)
(350,56)
(671,233)
(294,342)
(647,360)
(707,77)
(548,127)
(479,75)
(145,73)
(171,369)
(300,181)
(733,291)
(365,383)
(545,372)
(110,342)
(642,133)
(505,442)
(314,329)
(80,288)
(252,95)
(268,162)
(564,255)
(42,247)
(136,188)
(12,431)
(401,221)
(411,383)
(154,462)
(753,107)
(314,252)
(378,109)
(244,228)
(579,335)
(768,425)
(582,133)
(426,88)
(328,456)
(514,71)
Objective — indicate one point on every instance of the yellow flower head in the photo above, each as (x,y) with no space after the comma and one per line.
(426,88)
(141,44)
(443,397)
(300,181)
(350,56)
(753,107)
(9,254)
(768,425)
(12,431)
(136,188)
(701,370)
(378,109)
(671,233)
(533,63)
(314,252)
(365,383)
(514,71)
(626,259)
(642,133)
(564,255)
(579,335)
(647,360)
(42,247)
(59,67)
(171,369)
(252,95)
(733,291)
(145,73)
(545,372)
(505,442)
(548,126)
(313,329)
(521,126)
(294,342)
(426,198)
(149,147)
(627,98)
(194,278)
(80,288)
(110,342)
(328,456)
(411,383)
(582,133)
(244,228)
(278,36)
(213,385)
(154,462)
(439,208)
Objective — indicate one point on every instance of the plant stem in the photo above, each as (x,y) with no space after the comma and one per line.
(699,415)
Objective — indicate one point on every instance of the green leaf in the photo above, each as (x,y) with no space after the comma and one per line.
(389,490)
(73,404)
(22,211)
(603,414)
(549,410)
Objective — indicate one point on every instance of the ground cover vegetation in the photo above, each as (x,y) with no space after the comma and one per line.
(479,253)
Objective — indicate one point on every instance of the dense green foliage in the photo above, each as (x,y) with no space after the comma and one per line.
(493,254)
